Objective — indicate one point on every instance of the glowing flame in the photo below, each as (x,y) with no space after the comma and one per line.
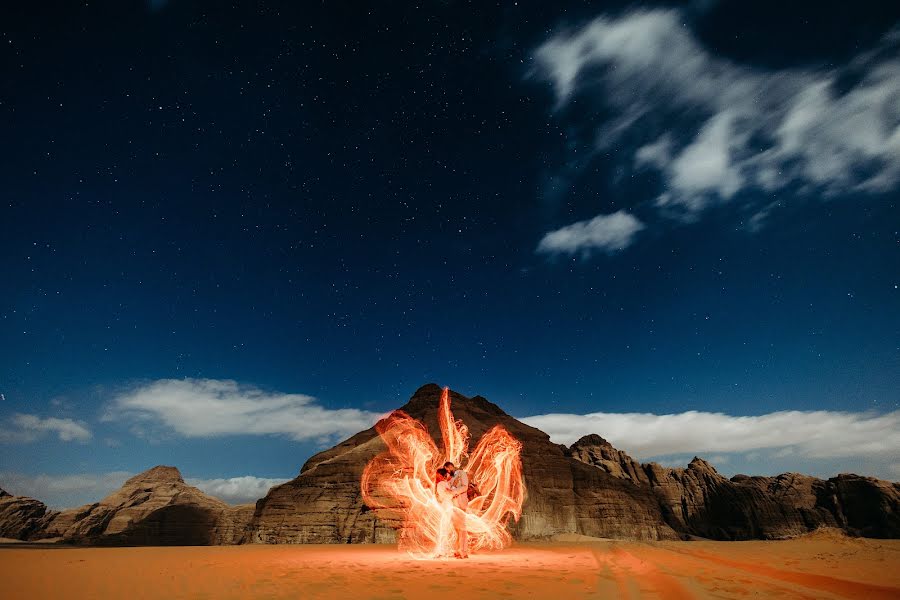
(400,482)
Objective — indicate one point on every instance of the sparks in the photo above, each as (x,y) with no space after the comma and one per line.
(399,483)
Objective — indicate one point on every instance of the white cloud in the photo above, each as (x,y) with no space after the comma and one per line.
(657,154)
(236,490)
(204,408)
(63,491)
(741,127)
(705,165)
(609,233)
(23,428)
(807,434)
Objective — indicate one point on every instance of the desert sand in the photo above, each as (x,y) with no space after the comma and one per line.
(817,566)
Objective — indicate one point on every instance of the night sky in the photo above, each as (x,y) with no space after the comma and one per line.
(220,222)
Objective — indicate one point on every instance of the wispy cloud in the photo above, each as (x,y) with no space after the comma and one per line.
(236,490)
(713,128)
(203,408)
(24,428)
(807,434)
(607,233)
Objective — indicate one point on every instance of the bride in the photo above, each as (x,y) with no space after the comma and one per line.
(444,496)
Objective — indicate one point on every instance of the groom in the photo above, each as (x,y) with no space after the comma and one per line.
(459,487)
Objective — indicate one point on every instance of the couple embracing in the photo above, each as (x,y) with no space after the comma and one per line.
(452,491)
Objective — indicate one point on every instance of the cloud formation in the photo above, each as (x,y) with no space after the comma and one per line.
(608,233)
(204,408)
(712,128)
(24,428)
(236,490)
(808,434)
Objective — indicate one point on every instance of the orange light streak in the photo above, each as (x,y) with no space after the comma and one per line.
(400,482)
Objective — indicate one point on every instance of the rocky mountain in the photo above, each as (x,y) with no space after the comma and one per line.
(589,489)
(155,507)
(698,501)
(324,505)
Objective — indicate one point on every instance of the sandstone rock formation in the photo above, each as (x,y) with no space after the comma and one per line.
(20,516)
(698,501)
(155,508)
(323,504)
(588,489)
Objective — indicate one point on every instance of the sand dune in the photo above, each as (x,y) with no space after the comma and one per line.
(818,566)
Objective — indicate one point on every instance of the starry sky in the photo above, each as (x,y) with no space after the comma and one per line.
(232,234)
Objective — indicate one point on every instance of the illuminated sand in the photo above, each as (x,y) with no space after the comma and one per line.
(807,568)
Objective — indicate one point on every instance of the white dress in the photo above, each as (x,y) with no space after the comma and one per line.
(446,535)
(444,495)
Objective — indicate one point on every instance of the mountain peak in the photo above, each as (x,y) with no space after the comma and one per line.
(428,397)
(701,465)
(158,474)
(592,439)
(429,389)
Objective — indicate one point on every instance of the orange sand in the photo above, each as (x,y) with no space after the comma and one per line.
(818,566)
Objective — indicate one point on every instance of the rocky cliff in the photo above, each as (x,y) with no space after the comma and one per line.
(155,507)
(323,504)
(590,488)
(698,501)
(20,516)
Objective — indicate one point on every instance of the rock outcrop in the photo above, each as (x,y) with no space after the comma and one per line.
(324,505)
(154,508)
(698,501)
(21,516)
(590,488)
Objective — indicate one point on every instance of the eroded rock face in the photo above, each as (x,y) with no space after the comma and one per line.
(698,501)
(21,516)
(594,450)
(324,505)
(869,507)
(154,508)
